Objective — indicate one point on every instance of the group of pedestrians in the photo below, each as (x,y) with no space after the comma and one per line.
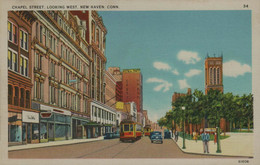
(205,137)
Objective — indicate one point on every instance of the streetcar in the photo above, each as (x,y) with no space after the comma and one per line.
(147,130)
(130,131)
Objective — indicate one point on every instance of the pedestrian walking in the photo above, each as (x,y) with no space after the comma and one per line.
(205,141)
(176,135)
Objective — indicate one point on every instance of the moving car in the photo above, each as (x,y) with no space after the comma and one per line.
(156,138)
(155,133)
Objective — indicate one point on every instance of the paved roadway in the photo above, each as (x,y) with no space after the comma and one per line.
(109,149)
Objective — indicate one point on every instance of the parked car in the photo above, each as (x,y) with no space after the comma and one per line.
(116,135)
(167,134)
(157,138)
(108,136)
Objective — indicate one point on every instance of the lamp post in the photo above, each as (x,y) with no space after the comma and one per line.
(183,147)
(218,141)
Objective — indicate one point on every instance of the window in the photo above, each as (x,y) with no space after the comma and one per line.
(22,97)
(218,76)
(97,39)
(27,101)
(24,40)
(12,60)
(12,32)
(16,96)
(93,32)
(38,61)
(24,65)
(41,33)
(126,128)
(10,94)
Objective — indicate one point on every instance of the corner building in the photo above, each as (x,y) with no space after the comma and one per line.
(23,121)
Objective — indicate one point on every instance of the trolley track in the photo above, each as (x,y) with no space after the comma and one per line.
(109,147)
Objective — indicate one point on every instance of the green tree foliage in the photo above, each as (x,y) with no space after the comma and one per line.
(237,110)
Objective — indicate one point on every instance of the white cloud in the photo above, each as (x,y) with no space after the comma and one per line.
(188,57)
(193,72)
(163,84)
(234,68)
(175,72)
(183,84)
(161,66)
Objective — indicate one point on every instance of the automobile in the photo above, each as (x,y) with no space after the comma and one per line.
(108,135)
(116,135)
(157,138)
(167,134)
(155,133)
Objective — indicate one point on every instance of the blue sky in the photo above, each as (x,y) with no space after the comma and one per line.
(170,48)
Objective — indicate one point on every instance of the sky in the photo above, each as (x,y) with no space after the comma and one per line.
(170,49)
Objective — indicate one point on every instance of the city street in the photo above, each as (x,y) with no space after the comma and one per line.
(109,149)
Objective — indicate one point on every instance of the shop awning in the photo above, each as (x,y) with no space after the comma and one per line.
(92,124)
(108,125)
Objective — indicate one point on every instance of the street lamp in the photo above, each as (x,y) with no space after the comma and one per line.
(218,141)
(183,147)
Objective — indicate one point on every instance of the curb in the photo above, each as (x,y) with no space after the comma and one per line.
(33,147)
(195,153)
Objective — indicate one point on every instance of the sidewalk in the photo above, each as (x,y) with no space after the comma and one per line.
(53,143)
(238,144)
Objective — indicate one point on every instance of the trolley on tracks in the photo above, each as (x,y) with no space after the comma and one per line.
(147,130)
(130,131)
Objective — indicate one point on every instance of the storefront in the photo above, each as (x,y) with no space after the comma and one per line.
(108,128)
(14,128)
(30,127)
(93,129)
(55,124)
(79,128)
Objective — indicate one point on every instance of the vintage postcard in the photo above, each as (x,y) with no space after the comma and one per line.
(140,82)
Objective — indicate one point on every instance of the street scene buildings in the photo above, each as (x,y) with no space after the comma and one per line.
(68,84)
(59,88)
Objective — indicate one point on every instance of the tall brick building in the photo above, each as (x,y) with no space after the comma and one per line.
(23,121)
(133,89)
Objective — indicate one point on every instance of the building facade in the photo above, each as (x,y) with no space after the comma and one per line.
(110,90)
(117,74)
(96,37)
(132,84)
(213,73)
(61,75)
(23,121)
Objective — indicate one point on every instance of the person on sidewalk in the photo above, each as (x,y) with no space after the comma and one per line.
(176,135)
(205,141)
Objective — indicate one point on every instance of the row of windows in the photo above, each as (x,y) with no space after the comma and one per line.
(214,76)
(13,33)
(18,96)
(14,65)
(65,53)
(98,112)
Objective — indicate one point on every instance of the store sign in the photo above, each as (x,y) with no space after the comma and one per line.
(30,117)
(120,105)
(131,71)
